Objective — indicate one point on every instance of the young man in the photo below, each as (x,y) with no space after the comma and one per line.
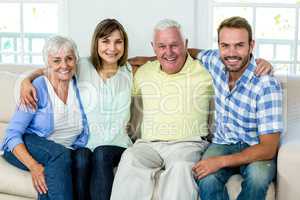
(248,118)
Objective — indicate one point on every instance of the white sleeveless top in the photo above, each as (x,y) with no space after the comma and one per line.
(67,117)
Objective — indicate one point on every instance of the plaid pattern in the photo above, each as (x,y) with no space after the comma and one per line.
(252,108)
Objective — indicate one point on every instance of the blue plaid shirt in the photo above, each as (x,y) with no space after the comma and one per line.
(252,108)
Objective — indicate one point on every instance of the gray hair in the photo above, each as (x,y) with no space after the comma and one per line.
(168,23)
(55,43)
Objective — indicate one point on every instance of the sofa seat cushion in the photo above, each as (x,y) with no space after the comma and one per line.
(15,181)
(13,197)
(234,188)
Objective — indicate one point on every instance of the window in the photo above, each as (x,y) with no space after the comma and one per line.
(275,28)
(24,27)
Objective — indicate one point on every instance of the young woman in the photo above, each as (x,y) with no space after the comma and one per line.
(105,81)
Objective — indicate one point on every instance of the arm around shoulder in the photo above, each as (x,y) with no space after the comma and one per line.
(28,96)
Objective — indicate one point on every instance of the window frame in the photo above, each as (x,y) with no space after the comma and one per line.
(62,28)
(293,62)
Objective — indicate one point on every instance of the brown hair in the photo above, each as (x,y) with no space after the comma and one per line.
(236,22)
(105,28)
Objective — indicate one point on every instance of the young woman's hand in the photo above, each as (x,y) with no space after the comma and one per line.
(28,95)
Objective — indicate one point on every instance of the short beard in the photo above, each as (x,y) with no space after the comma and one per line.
(243,64)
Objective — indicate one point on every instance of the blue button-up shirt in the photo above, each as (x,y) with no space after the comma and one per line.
(252,108)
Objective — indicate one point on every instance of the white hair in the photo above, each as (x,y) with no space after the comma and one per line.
(168,23)
(55,43)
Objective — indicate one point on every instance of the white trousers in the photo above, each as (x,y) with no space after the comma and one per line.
(158,171)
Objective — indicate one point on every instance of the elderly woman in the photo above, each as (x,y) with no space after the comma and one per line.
(42,140)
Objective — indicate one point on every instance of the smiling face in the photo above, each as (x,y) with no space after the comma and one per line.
(235,48)
(170,49)
(62,64)
(111,48)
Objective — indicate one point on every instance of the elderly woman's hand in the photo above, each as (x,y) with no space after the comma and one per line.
(38,178)
(28,94)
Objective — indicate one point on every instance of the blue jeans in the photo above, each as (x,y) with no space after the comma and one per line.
(93,172)
(56,160)
(257,176)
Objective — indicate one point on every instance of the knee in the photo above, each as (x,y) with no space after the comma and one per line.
(59,154)
(58,150)
(259,174)
(210,181)
(102,156)
(207,182)
(61,160)
(65,157)
(128,155)
(81,159)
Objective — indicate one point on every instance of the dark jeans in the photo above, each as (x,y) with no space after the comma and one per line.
(93,172)
(57,162)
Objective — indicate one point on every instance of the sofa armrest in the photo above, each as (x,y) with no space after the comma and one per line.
(288,165)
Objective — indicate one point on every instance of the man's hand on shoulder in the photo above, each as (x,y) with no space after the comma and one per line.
(263,67)
(140,60)
(193,52)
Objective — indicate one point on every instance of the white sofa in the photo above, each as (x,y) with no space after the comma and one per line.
(16,184)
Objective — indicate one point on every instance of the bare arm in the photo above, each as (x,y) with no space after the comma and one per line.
(35,168)
(28,95)
(263,67)
(193,52)
(140,60)
(265,150)
(36,73)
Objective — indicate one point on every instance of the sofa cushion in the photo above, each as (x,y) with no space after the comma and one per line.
(9,86)
(15,181)
(10,79)
(2,132)
(13,197)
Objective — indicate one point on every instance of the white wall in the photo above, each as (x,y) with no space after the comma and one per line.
(138,17)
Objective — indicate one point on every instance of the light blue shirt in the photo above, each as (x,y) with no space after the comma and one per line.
(252,108)
(106,103)
(39,122)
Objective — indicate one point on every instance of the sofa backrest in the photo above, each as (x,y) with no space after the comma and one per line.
(10,79)
(291,106)
(11,76)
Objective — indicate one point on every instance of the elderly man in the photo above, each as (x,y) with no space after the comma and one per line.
(175,90)
(248,118)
